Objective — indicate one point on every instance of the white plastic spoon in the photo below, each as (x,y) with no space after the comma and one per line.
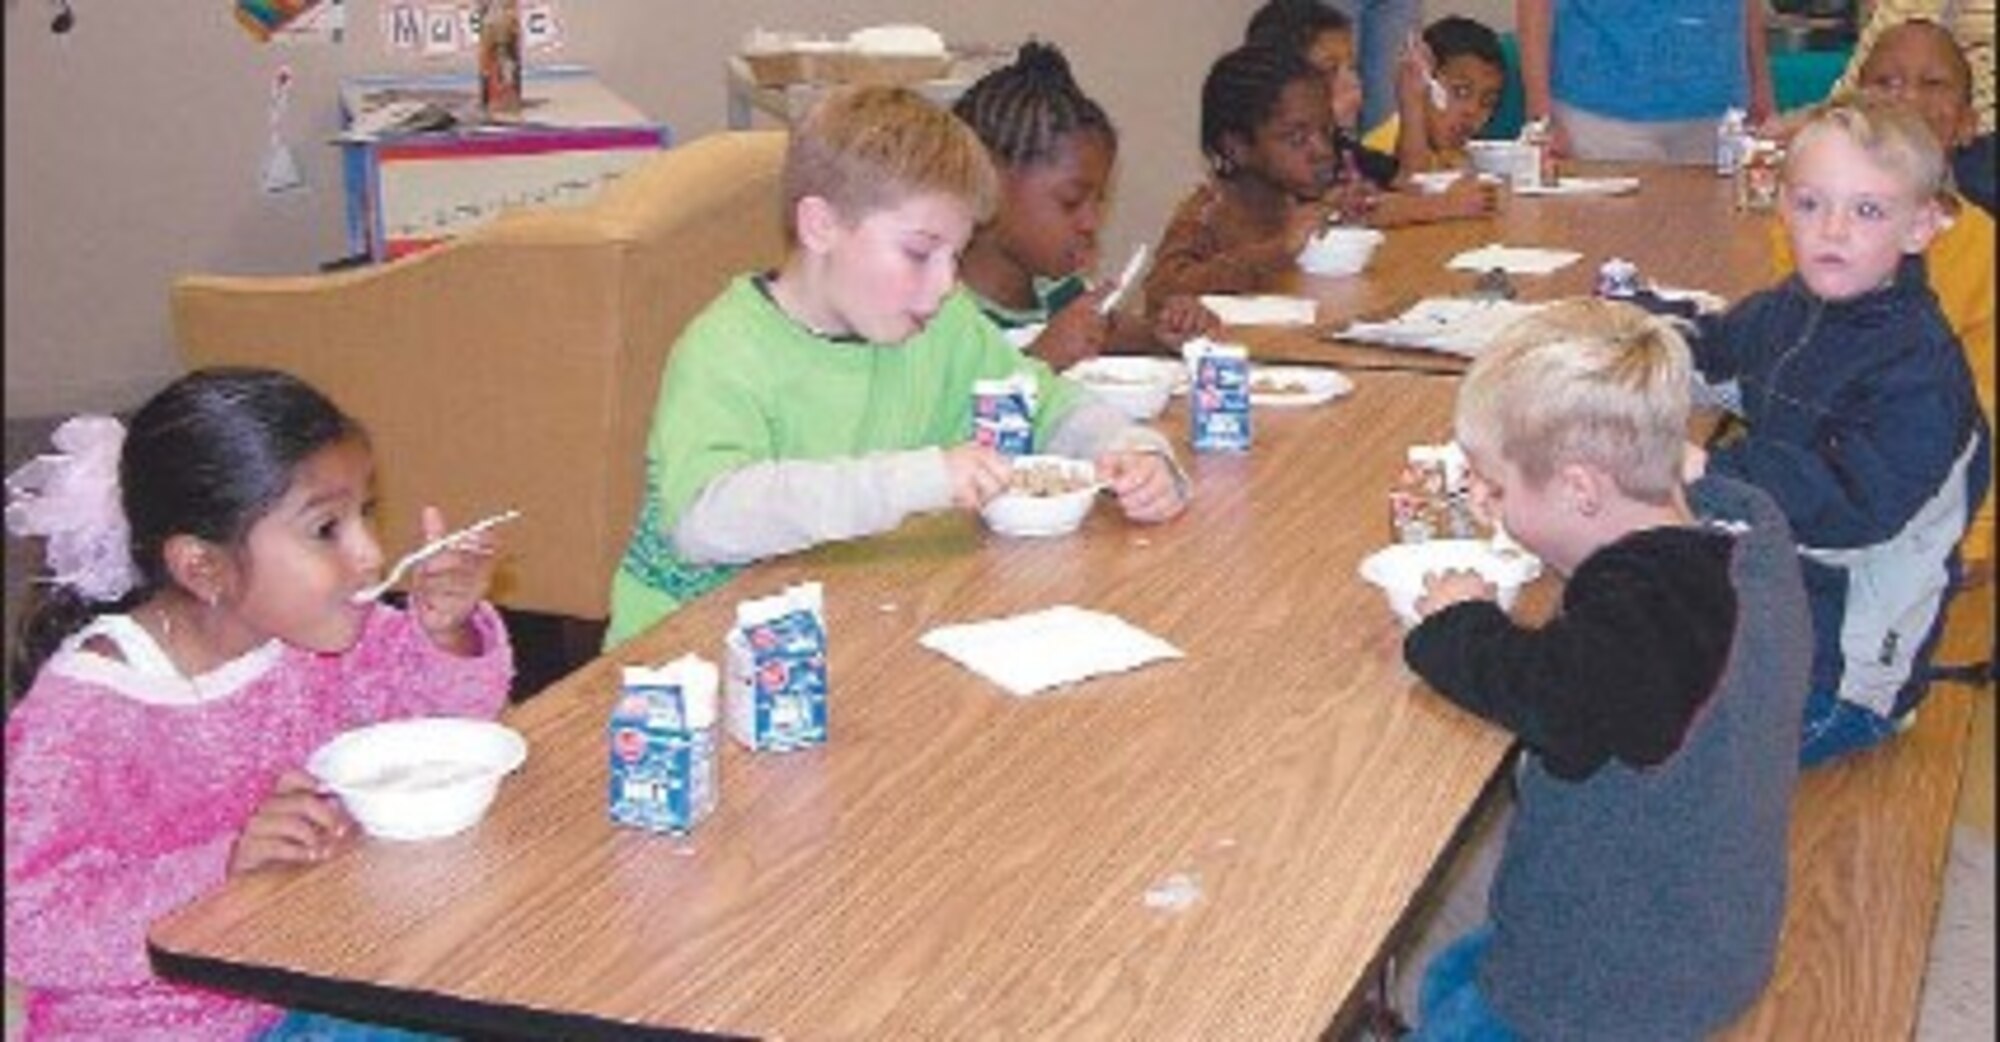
(1125,278)
(428,551)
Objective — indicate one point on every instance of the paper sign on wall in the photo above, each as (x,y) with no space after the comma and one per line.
(448,30)
(280,170)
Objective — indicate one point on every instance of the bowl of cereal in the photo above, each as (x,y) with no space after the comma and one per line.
(420,778)
(1047,495)
(1401,568)
(1138,386)
(1340,250)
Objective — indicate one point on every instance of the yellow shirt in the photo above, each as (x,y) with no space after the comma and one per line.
(1959,265)
(1385,135)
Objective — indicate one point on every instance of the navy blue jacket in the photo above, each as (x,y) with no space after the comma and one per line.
(1863,426)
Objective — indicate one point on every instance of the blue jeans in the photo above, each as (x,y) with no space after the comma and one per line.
(301,1026)
(1450,1007)
(1834,727)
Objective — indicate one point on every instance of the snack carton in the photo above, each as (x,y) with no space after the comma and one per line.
(1003,414)
(662,733)
(1218,395)
(1432,498)
(776,675)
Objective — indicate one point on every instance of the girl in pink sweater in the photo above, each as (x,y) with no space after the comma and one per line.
(196,642)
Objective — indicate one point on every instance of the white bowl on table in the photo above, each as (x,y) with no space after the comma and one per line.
(1400,569)
(1137,385)
(420,778)
(1340,250)
(1513,162)
(1024,510)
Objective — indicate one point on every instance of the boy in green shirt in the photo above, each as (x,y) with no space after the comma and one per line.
(832,399)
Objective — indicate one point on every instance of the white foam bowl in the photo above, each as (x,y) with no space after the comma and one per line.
(1400,570)
(1340,251)
(1140,387)
(421,778)
(1503,159)
(1023,514)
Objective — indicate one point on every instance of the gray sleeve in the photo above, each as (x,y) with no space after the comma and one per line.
(1096,426)
(778,506)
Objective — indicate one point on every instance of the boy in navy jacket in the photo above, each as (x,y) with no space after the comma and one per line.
(1862,422)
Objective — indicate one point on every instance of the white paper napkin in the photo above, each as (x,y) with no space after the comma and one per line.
(1261,310)
(1515,260)
(1028,654)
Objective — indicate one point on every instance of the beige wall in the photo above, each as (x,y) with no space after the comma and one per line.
(134,143)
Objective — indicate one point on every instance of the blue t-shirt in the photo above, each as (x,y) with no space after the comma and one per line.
(1649,61)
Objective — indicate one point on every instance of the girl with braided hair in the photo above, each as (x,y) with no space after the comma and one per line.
(1054,148)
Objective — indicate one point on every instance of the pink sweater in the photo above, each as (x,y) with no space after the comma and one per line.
(125,794)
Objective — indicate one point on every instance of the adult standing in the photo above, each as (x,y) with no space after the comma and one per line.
(1380,27)
(1642,80)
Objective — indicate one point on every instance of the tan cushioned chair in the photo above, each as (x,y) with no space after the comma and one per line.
(517,365)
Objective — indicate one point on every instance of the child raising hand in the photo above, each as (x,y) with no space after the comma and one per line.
(1053,148)
(197,640)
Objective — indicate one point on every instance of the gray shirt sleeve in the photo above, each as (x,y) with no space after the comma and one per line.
(1096,426)
(780,506)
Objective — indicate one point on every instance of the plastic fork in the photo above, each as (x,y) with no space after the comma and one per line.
(426,552)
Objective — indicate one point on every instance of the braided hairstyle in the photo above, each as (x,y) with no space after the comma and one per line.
(1023,110)
(1241,94)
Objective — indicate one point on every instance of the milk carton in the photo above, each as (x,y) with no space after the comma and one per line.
(1731,135)
(776,655)
(1618,279)
(1432,497)
(662,736)
(1218,395)
(1003,414)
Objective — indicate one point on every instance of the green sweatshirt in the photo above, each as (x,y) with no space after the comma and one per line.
(769,439)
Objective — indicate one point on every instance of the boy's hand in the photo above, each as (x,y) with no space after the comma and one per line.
(1415,69)
(445,589)
(1144,484)
(977,474)
(1309,219)
(1469,196)
(1181,318)
(294,824)
(1444,589)
(1075,333)
(1353,200)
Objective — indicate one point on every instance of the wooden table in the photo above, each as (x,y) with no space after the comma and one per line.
(956,861)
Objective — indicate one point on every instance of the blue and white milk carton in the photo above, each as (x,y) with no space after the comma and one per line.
(776,673)
(1218,395)
(663,754)
(1003,414)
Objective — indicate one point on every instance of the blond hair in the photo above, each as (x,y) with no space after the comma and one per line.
(866,149)
(1583,381)
(1892,135)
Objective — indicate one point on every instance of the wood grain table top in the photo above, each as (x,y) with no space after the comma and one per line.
(956,861)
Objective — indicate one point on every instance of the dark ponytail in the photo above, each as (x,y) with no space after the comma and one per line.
(207,456)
